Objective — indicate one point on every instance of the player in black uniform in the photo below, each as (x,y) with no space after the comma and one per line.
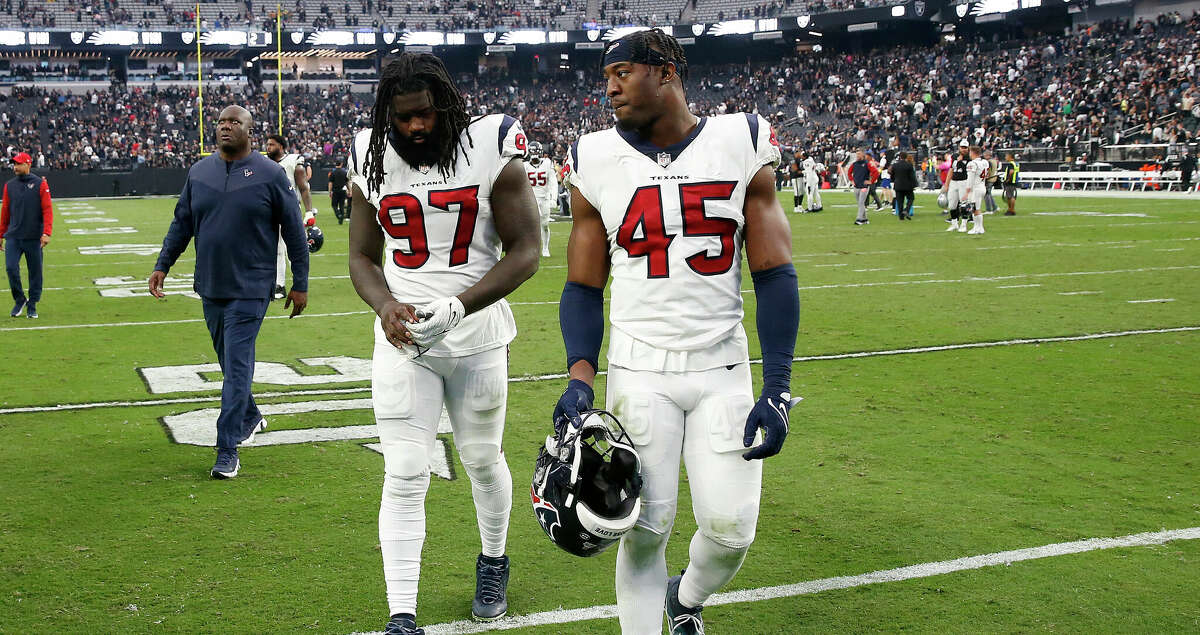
(337,191)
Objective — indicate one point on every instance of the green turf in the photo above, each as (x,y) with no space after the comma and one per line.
(893,460)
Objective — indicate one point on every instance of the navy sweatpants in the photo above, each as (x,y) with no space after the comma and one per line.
(234,326)
(31,248)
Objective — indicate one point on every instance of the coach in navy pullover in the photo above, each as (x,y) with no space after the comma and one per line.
(26,218)
(235,204)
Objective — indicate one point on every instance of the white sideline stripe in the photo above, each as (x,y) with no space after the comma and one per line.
(899,574)
(158,322)
(1019,286)
(851,285)
(552,376)
(1080,292)
(1152,300)
(913,275)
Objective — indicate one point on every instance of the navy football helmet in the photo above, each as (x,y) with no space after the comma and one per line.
(534,153)
(316,238)
(587,484)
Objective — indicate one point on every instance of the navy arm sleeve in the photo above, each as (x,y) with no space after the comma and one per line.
(181,230)
(292,229)
(581,318)
(778,321)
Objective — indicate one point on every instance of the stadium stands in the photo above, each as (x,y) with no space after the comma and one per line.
(1111,83)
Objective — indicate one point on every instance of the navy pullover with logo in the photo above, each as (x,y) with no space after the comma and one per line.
(236,211)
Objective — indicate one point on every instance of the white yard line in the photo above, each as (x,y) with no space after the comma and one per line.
(1080,292)
(556,376)
(914,275)
(899,574)
(1019,286)
(1151,300)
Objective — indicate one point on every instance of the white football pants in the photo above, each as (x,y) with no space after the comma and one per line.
(408,395)
(699,417)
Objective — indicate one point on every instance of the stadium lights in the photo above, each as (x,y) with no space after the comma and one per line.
(523,37)
(620,32)
(332,38)
(423,38)
(223,38)
(113,38)
(732,27)
(12,38)
(898,11)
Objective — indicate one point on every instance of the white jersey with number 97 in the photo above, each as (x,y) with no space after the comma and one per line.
(674,222)
(439,234)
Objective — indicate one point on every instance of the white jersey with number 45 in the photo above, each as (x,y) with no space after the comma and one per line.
(675,226)
(439,234)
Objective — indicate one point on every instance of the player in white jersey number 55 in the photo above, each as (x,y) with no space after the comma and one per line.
(438,197)
(665,202)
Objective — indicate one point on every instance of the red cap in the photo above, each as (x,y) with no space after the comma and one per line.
(22,158)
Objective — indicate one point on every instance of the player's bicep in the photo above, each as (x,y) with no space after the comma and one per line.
(768,234)
(366,237)
(587,248)
(514,208)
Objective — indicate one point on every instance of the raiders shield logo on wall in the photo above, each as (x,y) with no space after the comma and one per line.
(664,159)
(919,8)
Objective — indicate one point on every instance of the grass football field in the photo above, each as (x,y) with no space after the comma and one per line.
(964,395)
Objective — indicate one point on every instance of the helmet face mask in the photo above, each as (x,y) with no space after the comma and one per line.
(587,485)
(534,153)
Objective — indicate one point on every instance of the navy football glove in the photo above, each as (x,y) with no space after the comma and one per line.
(575,399)
(771,414)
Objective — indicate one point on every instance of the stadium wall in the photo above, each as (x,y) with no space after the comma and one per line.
(138,182)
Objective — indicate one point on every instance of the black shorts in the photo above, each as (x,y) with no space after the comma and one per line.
(1010,190)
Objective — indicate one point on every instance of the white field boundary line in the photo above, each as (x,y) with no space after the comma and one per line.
(899,574)
(1151,300)
(847,285)
(519,379)
(1021,245)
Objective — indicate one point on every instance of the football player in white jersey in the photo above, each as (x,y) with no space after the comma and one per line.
(665,202)
(812,182)
(295,167)
(977,174)
(956,188)
(437,198)
(544,180)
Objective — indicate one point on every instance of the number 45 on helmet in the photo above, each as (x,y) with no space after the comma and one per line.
(587,484)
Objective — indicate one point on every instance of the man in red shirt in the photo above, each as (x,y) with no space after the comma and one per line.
(26,218)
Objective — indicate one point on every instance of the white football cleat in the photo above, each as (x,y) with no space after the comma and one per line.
(953,226)
(963,227)
(976,230)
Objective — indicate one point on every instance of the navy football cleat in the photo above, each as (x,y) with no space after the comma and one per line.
(16,312)
(31,311)
(402,624)
(680,619)
(227,463)
(491,588)
(255,429)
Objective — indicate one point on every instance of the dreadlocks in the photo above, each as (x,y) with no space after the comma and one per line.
(411,73)
(641,41)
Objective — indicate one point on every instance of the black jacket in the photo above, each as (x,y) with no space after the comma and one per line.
(904,177)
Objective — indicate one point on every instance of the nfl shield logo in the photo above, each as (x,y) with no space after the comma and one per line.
(664,159)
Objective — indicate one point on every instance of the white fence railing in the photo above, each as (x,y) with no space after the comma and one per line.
(1125,180)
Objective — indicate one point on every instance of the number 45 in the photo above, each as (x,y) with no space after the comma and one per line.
(646,210)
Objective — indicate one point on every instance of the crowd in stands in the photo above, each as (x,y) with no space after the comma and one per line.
(1110,83)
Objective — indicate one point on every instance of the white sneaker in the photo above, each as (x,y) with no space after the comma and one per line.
(963,227)
(545,253)
(953,226)
(976,230)
(259,427)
